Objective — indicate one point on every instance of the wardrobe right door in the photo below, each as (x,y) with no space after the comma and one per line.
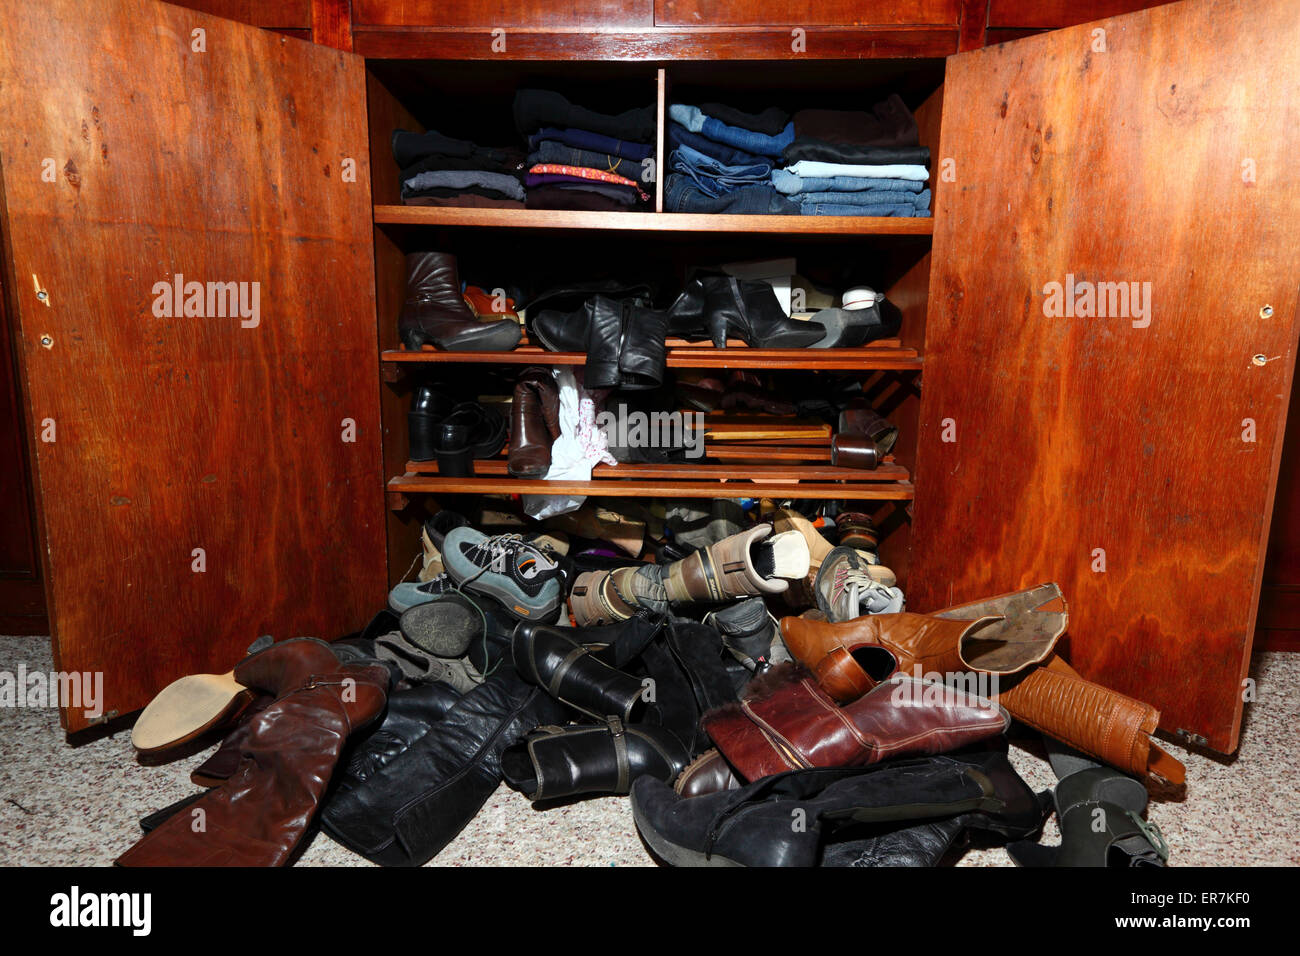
(1111,338)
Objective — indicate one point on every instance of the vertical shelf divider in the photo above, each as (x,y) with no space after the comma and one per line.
(661,120)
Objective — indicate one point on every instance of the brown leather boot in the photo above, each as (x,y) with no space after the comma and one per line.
(435,313)
(785,721)
(534,423)
(259,815)
(1011,637)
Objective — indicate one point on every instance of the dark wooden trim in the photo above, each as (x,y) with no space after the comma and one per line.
(331,23)
(974,20)
(736,43)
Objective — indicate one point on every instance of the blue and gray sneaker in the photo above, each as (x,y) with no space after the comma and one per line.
(410,594)
(529,581)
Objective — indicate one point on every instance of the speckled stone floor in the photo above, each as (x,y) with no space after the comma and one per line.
(81,806)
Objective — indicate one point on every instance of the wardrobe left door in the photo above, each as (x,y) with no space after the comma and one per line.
(189,257)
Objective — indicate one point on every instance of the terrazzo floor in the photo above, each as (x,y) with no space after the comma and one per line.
(62,805)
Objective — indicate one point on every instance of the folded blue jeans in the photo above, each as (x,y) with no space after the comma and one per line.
(679,135)
(792,184)
(868,197)
(735,136)
(682,195)
(714,178)
(901,210)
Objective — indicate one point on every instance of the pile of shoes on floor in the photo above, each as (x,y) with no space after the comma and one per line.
(639,652)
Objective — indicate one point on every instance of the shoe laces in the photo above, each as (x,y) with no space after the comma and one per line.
(857,584)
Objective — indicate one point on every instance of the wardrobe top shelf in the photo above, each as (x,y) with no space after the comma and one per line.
(651,221)
(856,359)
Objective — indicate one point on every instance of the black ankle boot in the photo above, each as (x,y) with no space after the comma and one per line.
(749,309)
(549,657)
(556,762)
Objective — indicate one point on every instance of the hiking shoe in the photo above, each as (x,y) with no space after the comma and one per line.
(528,580)
(409,594)
(845,588)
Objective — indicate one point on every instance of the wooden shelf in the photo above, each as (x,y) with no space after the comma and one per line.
(706,480)
(651,221)
(888,471)
(870,358)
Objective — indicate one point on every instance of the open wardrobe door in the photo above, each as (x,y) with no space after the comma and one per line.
(189,258)
(1111,339)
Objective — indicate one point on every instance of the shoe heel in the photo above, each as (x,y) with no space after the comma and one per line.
(414,339)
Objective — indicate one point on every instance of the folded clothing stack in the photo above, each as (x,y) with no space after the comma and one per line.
(721,160)
(438,170)
(581,159)
(855,163)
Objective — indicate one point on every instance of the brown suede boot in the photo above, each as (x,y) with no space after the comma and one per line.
(259,816)
(784,721)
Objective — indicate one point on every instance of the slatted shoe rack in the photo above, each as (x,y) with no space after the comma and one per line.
(407,94)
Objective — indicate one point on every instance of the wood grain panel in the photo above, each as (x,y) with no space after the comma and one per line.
(191,432)
(1075,434)
(1053,14)
(258,13)
(504,13)
(701,13)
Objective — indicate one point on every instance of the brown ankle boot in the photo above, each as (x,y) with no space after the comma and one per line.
(786,722)
(435,313)
(534,423)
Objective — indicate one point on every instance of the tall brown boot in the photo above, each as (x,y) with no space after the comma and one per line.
(259,816)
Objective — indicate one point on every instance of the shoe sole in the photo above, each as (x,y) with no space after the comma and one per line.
(674,854)
(443,628)
(187,708)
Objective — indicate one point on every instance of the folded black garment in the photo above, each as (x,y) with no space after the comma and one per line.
(446,192)
(402,807)
(560,196)
(409,148)
(890,123)
(820,151)
(535,109)
(508,161)
(770,122)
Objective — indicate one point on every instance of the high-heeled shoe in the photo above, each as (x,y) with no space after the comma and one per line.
(713,306)
(435,312)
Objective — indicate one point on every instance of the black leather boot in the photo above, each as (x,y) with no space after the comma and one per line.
(403,808)
(551,658)
(1100,813)
(435,313)
(429,406)
(720,304)
(624,341)
(556,762)
(751,826)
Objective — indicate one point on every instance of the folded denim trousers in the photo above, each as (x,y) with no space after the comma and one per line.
(682,195)
(712,177)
